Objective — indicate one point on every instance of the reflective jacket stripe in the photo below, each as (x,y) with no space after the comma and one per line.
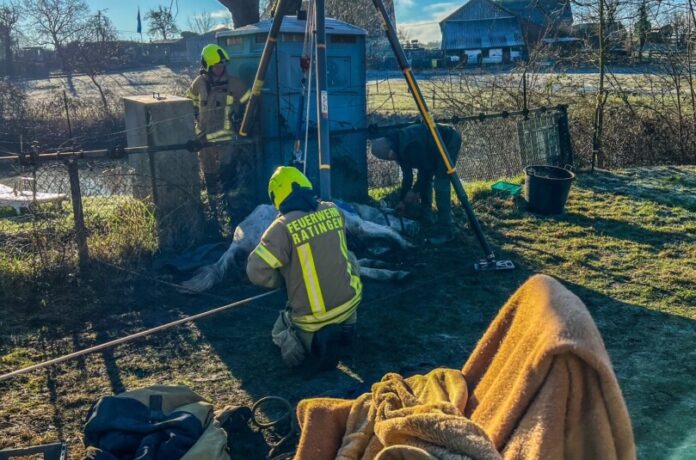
(311,280)
(312,323)
(355,282)
(245,97)
(267,257)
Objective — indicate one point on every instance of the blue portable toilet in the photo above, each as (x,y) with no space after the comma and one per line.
(280,109)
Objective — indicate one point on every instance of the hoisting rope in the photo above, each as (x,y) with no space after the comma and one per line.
(132,337)
(307,66)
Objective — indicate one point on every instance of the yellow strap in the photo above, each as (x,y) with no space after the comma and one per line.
(256,89)
(245,97)
(311,280)
(267,256)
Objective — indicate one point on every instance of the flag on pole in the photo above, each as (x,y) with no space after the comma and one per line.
(140,25)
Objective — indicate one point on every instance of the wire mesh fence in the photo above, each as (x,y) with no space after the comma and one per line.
(54,214)
(495,148)
(41,230)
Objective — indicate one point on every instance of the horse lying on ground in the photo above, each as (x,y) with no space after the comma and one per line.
(248,234)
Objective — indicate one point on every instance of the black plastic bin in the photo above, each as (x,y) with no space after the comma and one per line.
(547,188)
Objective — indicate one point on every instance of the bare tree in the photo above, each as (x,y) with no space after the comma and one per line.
(201,22)
(9,20)
(57,23)
(161,23)
(245,12)
(361,13)
(403,34)
(642,27)
(358,12)
(96,50)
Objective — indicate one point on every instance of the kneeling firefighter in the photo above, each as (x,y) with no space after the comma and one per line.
(306,248)
(218,100)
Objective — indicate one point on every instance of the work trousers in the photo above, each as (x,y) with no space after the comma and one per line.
(443,198)
(212,159)
(239,183)
(295,344)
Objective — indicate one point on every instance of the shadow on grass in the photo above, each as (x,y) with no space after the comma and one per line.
(623,230)
(669,186)
(654,360)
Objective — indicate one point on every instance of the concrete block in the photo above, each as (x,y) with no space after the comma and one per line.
(169,179)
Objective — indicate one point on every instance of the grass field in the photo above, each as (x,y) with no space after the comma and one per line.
(626,246)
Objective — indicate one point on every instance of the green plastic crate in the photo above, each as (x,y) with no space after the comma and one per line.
(506,188)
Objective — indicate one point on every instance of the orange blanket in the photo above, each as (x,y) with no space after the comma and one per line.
(416,418)
(541,382)
(538,385)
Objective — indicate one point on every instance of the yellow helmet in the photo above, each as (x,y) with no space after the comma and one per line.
(213,54)
(280,186)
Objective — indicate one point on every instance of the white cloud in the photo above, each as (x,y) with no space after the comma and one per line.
(403,4)
(220,14)
(441,10)
(423,31)
(428,30)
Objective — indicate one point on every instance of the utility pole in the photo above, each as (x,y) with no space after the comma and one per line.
(322,105)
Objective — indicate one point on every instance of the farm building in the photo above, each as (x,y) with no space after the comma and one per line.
(500,31)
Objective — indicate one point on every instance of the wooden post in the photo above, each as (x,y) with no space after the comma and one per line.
(76,197)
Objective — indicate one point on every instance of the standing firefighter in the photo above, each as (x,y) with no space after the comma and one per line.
(413,148)
(306,248)
(218,100)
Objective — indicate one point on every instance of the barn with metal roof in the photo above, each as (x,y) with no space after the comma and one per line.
(496,31)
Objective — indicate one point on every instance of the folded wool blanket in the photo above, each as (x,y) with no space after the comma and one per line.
(538,385)
(415,418)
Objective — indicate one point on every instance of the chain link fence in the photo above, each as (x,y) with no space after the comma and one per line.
(496,147)
(56,215)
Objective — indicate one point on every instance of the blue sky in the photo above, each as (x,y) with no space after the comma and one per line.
(418,17)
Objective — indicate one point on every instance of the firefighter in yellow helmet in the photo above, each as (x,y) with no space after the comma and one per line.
(217,98)
(305,247)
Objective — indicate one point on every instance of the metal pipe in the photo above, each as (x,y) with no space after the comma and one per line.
(137,335)
(432,127)
(268,48)
(324,145)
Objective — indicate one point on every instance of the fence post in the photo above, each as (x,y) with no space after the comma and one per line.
(76,197)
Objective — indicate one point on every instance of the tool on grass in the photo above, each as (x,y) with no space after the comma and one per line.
(53,451)
(485,265)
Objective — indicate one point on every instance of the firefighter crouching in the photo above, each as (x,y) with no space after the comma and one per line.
(306,248)
(218,101)
(412,148)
